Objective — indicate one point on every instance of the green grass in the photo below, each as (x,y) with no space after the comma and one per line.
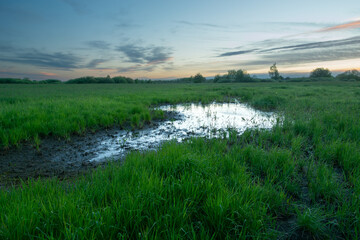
(31,111)
(299,180)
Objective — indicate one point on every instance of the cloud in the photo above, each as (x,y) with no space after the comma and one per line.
(169,67)
(95,62)
(315,45)
(39,76)
(145,59)
(300,24)
(48,74)
(134,53)
(98,44)
(268,52)
(227,54)
(349,25)
(126,69)
(199,24)
(59,60)
(145,55)
(2,72)
(354,41)
(6,47)
(136,68)
(158,55)
(320,55)
(127,25)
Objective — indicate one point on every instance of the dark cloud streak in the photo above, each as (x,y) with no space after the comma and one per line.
(98,44)
(145,58)
(58,60)
(94,63)
(145,55)
(146,68)
(134,53)
(158,55)
(6,48)
(199,24)
(292,54)
(307,57)
(299,47)
(315,45)
(227,54)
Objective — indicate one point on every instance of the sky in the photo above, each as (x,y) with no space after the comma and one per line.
(64,39)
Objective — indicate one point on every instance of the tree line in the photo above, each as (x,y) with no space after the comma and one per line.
(241,75)
(108,79)
(80,80)
(27,81)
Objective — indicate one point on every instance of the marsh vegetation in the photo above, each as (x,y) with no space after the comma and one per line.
(300,179)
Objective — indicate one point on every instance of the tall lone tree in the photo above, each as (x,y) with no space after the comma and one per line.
(274,73)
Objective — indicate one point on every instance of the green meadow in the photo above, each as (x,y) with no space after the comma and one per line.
(299,180)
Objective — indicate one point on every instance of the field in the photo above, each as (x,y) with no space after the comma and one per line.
(299,180)
(30,112)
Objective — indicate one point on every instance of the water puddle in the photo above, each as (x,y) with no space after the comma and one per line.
(70,158)
(193,120)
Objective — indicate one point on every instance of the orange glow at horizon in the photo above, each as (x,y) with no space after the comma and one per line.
(333,66)
(210,69)
(355,24)
(48,74)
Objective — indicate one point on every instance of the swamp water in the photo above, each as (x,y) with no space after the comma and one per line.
(70,158)
(194,120)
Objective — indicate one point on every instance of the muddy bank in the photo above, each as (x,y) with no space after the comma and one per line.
(64,159)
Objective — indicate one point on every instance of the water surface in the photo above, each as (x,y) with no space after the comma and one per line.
(193,120)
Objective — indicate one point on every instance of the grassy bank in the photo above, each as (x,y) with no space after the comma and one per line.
(299,180)
(31,112)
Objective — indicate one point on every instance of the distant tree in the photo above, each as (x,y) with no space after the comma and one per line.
(130,80)
(49,81)
(198,78)
(349,75)
(16,80)
(320,72)
(106,79)
(242,76)
(88,79)
(234,76)
(274,73)
(231,76)
(120,79)
(217,78)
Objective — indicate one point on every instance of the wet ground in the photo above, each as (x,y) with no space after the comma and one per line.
(65,159)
